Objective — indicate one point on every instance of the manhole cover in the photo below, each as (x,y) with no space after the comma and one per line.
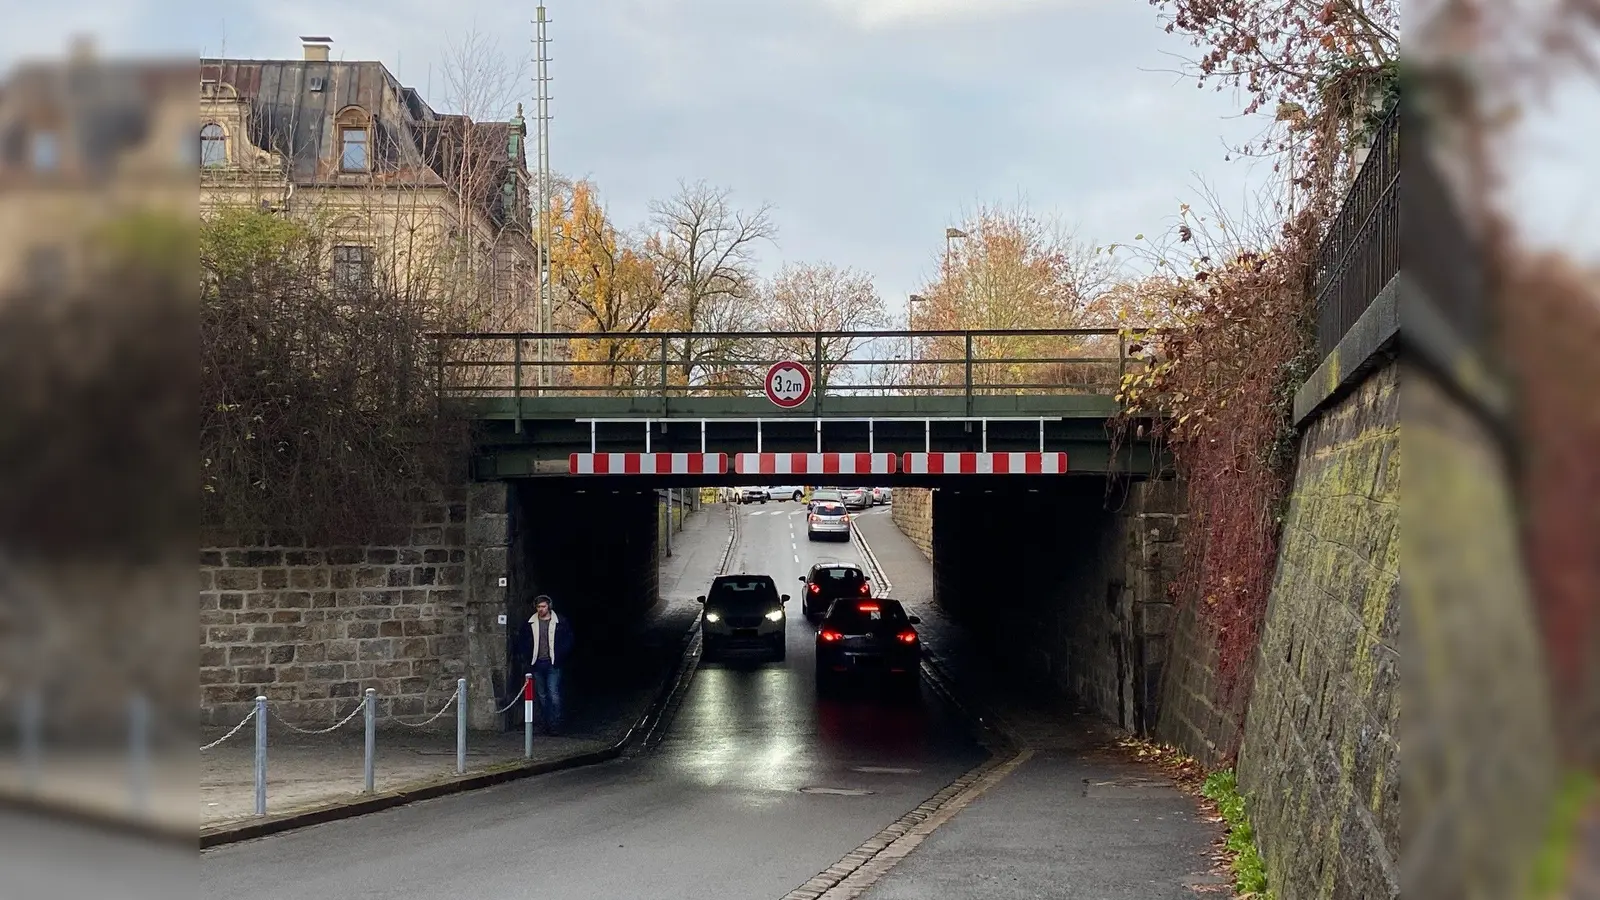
(885,770)
(839,792)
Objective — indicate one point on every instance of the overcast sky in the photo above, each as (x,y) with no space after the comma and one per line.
(869,125)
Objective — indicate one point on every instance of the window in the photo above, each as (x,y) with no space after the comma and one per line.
(213,146)
(743,592)
(855,618)
(352,266)
(45,151)
(849,576)
(353,156)
(828,509)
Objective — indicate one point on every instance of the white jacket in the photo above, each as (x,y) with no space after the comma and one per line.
(533,623)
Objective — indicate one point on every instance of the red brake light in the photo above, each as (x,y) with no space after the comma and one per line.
(828,634)
(816,589)
(868,607)
(866,588)
(907,637)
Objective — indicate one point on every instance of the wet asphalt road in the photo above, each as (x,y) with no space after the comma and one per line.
(715,811)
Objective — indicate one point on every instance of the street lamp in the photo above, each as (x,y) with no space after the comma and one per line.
(911,321)
(950,234)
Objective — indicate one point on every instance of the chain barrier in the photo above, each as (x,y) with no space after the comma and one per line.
(334,727)
(444,709)
(507,708)
(242,723)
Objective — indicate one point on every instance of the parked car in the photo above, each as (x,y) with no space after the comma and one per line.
(743,612)
(830,581)
(857,498)
(873,638)
(880,496)
(786,492)
(828,519)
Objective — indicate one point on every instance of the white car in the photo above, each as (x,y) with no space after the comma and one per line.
(828,518)
(789,492)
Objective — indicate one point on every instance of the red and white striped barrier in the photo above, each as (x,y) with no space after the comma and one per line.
(985,464)
(814,463)
(648,464)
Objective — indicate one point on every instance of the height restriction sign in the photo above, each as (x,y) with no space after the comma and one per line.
(788,384)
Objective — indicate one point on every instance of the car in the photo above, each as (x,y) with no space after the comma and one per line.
(752,495)
(743,612)
(786,492)
(826,495)
(857,498)
(830,581)
(868,637)
(880,496)
(828,519)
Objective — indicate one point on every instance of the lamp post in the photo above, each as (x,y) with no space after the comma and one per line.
(911,319)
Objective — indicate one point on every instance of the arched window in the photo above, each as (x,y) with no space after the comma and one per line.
(213,146)
(354,128)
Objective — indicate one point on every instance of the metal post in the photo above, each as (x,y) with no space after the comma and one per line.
(32,725)
(663,368)
(527,713)
(969,373)
(261,756)
(516,383)
(139,752)
(669,521)
(986,435)
(461,726)
(370,713)
(821,380)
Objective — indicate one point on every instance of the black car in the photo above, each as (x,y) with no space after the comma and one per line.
(867,637)
(830,581)
(743,612)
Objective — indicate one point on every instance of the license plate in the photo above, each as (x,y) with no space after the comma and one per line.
(744,632)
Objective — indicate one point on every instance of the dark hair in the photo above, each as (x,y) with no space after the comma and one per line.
(543,598)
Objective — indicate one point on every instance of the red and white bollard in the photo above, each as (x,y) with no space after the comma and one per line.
(527,716)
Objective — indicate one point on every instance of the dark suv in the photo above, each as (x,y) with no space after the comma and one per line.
(743,612)
(827,582)
(868,637)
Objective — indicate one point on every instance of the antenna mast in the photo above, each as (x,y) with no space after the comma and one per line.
(541,78)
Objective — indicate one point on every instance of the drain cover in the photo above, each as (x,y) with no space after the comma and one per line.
(885,770)
(1129,787)
(840,792)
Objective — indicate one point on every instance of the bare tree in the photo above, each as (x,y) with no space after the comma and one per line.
(823,297)
(703,250)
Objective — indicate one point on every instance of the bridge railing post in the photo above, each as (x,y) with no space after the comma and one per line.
(663,369)
(969,373)
(819,373)
(516,382)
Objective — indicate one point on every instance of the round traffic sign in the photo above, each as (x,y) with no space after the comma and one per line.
(788,384)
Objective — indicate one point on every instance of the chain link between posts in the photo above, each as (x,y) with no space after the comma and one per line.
(334,727)
(242,723)
(507,708)
(446,708)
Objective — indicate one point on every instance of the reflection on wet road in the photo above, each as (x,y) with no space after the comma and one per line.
(756,787)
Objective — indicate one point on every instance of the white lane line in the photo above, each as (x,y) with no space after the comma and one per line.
(797,559)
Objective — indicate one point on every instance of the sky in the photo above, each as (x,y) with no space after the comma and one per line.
(868,125)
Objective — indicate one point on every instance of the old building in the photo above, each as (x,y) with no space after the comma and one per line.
(435,204)
(85,141)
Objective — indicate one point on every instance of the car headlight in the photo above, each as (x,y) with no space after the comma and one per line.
(775,616)
(713,617)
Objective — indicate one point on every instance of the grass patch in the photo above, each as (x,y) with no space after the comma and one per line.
(1552,867)
(1249,872)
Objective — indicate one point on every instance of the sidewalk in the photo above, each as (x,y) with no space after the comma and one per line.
(1077,818)
(315,771)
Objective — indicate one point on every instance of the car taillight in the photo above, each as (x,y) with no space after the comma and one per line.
(828,634)
(907,637)
(866,588)
(811,518)
(868,607)
(844,518)
(816,589)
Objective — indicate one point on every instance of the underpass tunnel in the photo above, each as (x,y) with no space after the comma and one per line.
(595,553)
(1053,582)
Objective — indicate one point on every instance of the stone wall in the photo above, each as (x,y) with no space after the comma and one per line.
(312,627)
(912,511)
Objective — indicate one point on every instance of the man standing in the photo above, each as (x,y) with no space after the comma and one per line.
(552,641)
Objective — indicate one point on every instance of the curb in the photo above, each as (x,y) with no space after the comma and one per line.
(77,814)
(645,733)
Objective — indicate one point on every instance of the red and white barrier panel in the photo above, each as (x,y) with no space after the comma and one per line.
(648,464)
(814,463)
(985,464)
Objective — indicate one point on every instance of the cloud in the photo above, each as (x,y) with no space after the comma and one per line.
(883,14)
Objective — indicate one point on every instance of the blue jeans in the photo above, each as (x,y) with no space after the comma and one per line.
(547,688)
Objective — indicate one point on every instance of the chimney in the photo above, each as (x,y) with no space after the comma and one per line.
(316,47)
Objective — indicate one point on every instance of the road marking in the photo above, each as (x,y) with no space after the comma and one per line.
(839,792)
(797,559)
(885,770)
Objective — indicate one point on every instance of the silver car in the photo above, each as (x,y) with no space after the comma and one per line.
(828,519)
(857,498)
(880,496)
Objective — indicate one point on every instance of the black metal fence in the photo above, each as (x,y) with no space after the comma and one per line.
(1361,250)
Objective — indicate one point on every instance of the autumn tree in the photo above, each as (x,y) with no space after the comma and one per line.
(703,251)
(1013,270)
(822,297)
(608,279)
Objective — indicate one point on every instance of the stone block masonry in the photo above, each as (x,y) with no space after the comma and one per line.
(912,512)
(310,628)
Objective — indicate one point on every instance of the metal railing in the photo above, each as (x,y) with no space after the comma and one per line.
(734,364)
(1361,250)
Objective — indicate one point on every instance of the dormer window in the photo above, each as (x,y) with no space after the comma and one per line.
(213,146)
(355,140)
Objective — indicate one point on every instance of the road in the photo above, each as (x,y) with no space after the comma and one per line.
(716,810)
